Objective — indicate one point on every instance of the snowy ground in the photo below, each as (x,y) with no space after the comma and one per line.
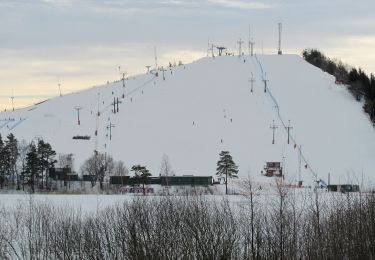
(205,107)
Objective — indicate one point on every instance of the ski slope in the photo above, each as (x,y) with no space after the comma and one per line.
(205,107)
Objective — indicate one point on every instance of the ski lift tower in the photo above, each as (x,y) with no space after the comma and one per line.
(221,48)
(78,108)
(279,52)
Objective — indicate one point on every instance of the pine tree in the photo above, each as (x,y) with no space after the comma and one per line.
(46,158)
(32,168)
(11,151)
(227,167)
(2,161)
(141,174)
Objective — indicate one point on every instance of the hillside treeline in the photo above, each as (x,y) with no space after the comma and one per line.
(359,83)
(195,227)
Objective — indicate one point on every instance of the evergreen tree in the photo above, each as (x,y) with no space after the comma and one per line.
(141,174)
(32,168)
(2,162)
(11,153)
(46,159)
(227,167)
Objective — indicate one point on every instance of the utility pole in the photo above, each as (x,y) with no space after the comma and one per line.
(249,39)
(208,47)
(119,70)
(163,70)
(288,129)
(110,126)
(265,80)
(148,68)
(59,84)
(78,108)
(98,104)
(117,105)
(239,49)
(156,59)
(252,47)
(114,105)
(299,162)
(12,98)
(252,80)
(273,127)
(251,44)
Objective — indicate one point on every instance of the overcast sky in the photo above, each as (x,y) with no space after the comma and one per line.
(81,43)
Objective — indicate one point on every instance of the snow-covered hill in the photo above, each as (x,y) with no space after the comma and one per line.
(205,107)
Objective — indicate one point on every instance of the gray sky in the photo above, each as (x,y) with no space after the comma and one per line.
(81,43)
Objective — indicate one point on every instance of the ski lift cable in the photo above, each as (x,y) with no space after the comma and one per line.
(303,157)
(129,93)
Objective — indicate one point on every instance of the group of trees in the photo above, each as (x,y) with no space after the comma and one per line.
(359,83)
(100,165)
(8,158)
(281,224)
(22,163)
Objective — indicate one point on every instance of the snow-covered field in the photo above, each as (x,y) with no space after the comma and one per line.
(205,107)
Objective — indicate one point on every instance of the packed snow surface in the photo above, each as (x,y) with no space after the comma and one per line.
(205,107)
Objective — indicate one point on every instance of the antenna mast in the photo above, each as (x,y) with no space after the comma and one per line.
(279,52)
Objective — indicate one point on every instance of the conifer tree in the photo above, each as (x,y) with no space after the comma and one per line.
(32,165)
(11,155)
(46,158)
(227,167)
(141,174)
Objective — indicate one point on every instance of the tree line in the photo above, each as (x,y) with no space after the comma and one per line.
(288,226)
(359,83)
(29,164)
(22,163)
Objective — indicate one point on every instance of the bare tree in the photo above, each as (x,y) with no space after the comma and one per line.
(98,166)
(66,161)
